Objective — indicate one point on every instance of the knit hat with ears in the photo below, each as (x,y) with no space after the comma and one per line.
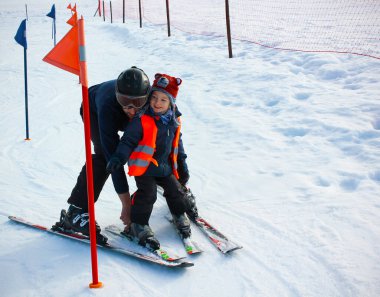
(166,84)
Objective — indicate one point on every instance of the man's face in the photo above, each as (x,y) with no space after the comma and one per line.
(130,111)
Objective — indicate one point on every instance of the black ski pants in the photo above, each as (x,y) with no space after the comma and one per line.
(78,195)
(146,195)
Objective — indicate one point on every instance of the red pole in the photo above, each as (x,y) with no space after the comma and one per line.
(100,14)
(87,135)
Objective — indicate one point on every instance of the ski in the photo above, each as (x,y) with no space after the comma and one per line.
(191,246)
(161,252)
(106,246)
(217,238)
(221,242)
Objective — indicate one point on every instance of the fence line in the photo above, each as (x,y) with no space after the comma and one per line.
(339,26)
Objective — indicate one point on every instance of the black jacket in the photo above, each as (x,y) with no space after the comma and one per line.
(111,120)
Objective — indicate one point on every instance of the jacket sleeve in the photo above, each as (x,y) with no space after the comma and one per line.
(110,138)
(183,170)
(181,151)
(130,139)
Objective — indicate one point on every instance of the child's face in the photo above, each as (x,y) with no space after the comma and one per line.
(159,102)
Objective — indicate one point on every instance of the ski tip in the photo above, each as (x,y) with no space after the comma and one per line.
(193,252)
(229,251)
(185,264)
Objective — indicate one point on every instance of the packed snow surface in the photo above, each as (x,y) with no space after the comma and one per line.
(283,150)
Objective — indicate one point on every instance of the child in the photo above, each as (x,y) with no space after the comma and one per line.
(153,147)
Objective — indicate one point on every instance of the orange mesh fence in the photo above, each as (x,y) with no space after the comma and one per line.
(342,26)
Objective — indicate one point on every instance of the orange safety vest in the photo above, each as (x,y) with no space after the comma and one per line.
(143,154)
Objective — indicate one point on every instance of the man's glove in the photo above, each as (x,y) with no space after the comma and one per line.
(183,172)
(114,164)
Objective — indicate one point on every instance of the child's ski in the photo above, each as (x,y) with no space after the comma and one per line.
(218,239)
(190,245)
(221,242)
(106,246)
(161,252)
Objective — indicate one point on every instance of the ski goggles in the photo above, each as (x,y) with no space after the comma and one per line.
(130,101)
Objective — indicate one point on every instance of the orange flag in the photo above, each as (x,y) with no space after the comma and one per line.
(65,54)
(73,20)
(73,9)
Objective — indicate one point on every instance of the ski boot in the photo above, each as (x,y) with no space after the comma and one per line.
(77,220)
(60,225)
(182,223)
(144,235)
(191,207)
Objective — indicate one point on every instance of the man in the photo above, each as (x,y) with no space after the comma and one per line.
(112,105)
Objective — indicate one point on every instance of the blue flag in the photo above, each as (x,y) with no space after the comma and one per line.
(21,34)
(51,14)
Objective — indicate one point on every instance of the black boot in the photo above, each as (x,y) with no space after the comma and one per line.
(66,224)
(144,235)
(77,219)
(183,225)
(191,207)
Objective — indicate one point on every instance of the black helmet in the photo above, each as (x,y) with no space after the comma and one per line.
(132,87)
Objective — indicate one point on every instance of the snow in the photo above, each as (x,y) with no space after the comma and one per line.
(283,154)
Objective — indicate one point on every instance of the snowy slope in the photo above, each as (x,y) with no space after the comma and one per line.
(283,154)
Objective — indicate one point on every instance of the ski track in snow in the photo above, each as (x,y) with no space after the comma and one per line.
(283,151)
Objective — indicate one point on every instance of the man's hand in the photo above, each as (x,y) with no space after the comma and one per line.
(125,215)
(114,164)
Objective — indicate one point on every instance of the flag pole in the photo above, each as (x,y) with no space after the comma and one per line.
(51,14)
(20,38)
(54,32)
(26,94)
(87,131)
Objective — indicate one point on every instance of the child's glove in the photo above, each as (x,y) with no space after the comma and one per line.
(183,172)
(184,178)
(114,164)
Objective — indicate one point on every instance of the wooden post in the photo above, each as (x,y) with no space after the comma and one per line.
(228,29)
(104,13)
(168,16)
(123,11)
(111,10)
(140,13)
